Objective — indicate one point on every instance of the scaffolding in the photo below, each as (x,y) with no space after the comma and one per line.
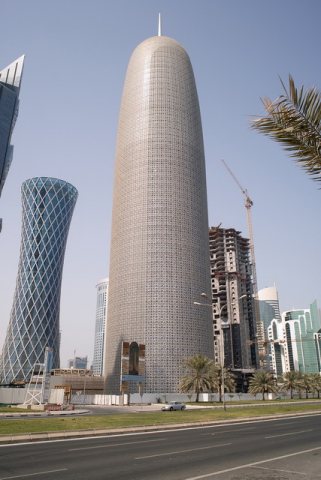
(39,385)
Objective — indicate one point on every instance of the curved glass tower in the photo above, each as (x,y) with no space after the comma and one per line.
(47,207)
(159,262)
(10,80)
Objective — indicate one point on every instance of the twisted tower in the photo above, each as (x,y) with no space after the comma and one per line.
(47,207)
(159,262)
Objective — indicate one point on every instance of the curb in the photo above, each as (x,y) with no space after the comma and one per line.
(43,414)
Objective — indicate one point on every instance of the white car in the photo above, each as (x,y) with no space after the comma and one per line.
(173,406)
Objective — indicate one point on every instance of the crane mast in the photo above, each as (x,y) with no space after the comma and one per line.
(248,203)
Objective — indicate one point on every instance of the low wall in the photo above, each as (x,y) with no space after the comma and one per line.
(17,396)
(56,396)
(12,395)
(149,398)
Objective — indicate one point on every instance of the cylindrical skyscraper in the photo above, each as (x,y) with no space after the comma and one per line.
(47,208)
(159,262)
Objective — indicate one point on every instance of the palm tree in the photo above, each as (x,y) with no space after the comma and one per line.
(316,383)
(291,381)
(217,376)
(262,382)
(294,120)
(198,378)
(305,381)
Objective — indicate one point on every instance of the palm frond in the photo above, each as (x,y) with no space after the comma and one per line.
(294,120)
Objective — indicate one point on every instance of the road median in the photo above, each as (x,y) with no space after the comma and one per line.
(43,429)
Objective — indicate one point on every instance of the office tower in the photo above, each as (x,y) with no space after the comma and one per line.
(269,305)
(268,302)
(277,347)
(232,299)
(47,207)
(100,327)
(10,80)
(301,327)
(159,261)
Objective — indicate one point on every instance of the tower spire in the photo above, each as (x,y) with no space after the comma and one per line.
(159,25)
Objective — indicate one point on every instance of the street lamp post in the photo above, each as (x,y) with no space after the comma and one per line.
(222,361)
(221,348)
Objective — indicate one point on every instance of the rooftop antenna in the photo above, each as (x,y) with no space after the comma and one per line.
(159,25)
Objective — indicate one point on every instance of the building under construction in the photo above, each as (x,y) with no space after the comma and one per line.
(232,299)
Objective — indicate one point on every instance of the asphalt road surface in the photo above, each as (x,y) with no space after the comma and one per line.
(288,448)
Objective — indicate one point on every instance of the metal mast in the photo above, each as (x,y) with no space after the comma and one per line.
(248,203)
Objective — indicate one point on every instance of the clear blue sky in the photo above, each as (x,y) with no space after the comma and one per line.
(76,57)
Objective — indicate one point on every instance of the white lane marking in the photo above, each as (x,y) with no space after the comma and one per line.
(279,470)
(287,434)
(182,451)
(116,445)
(227,431)
(247,465)
(155,432)
(33,474)
(285,424)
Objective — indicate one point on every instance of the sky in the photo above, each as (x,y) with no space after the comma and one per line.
(76,57)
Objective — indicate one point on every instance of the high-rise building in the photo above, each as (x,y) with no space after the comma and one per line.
(301,327)
(232,299)
(100,327)
(277,347)
(159,261)
(268,302)
(269,305)
(10,80)
(47,207)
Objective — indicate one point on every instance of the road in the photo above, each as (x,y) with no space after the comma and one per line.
(114,409)
(279,449)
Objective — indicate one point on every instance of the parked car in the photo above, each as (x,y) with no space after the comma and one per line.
(173,406)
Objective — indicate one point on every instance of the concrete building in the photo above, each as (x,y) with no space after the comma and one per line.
(10,81)
(47,207)
(76,381)
(78,363)
(232,299)
(159,259)
(100,327)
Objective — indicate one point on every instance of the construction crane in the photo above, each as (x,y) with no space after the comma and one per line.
(248,203)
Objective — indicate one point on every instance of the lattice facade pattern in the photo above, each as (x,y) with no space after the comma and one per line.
(159,249)
(47,208)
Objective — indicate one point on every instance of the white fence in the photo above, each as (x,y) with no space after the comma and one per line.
(17,396)
(149,398)
(12,395)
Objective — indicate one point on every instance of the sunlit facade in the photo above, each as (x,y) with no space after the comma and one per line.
(159,261)
(47,208)
(271,320)
(301,327)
